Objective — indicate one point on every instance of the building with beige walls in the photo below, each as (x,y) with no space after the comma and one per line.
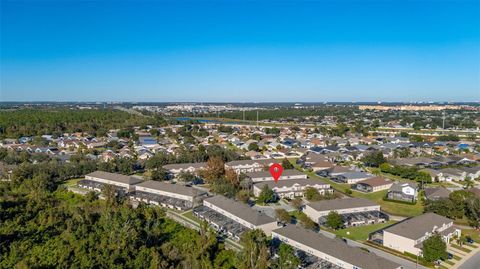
(408,235)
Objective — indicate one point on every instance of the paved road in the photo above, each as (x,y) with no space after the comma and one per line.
(472,263)
(405,263)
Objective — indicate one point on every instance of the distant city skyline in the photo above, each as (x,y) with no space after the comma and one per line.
(231,51)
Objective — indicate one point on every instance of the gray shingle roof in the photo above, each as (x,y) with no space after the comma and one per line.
(288,172)
(376,181)
(290,182)
(416,227)
(438,192)
(168,187)
(115,177)
(336,204)
(398,186)
(250,162)
(240,210)
(336,248)
(184,165)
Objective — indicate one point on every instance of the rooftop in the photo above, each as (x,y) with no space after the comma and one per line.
(115,177)
(291,182)
(335,204)
(240,210)
(169,187)
(416,227)
(288,172)
(250,162)
(336,248)
(184,165)
(376,181)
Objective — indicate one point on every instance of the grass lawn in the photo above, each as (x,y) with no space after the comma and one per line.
(475,235)
(72,182)
(189,215)
(361,233)
(376,171)
(461,248)
(456,257)
(449,262)
(440,184)
(392,207)
(462,221)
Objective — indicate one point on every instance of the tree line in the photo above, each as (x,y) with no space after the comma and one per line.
(56,121)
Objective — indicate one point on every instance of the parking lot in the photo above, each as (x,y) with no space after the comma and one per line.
(220,223)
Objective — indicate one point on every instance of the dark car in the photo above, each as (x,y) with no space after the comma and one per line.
(449,256)
(470,240)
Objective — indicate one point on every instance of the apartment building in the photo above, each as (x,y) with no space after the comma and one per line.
(165,194)
(355,211)
(292,188)
(175,169)
(248,166)
(288,174)
(236,212)
(334,252)
(97,180)
(408,235)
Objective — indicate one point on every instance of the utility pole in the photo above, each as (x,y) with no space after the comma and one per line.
(257,117)
(243,110)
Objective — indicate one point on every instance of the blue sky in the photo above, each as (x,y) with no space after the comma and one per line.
(240,50)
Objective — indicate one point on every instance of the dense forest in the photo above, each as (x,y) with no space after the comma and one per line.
(34,122)
(45,229)
(284,113)
(44,226)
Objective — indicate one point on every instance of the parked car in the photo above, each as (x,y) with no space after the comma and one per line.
(449,256)
(470,240)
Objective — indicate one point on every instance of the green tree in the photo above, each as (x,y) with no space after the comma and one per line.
(312,194)
(445,207)
(286,258)
(158,175)
(434,248)
(243,196)
(374,159)
(215,169)
(297,203)
(306,222)
(253,146)
(255,254)
(226,259)
(267,195)
(472,212)
(334,220)
(283,215)
(286,164)
(186,176)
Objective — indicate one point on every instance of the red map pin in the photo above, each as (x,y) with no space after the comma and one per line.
(276,171)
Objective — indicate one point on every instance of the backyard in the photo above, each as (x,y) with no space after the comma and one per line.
(361,233)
